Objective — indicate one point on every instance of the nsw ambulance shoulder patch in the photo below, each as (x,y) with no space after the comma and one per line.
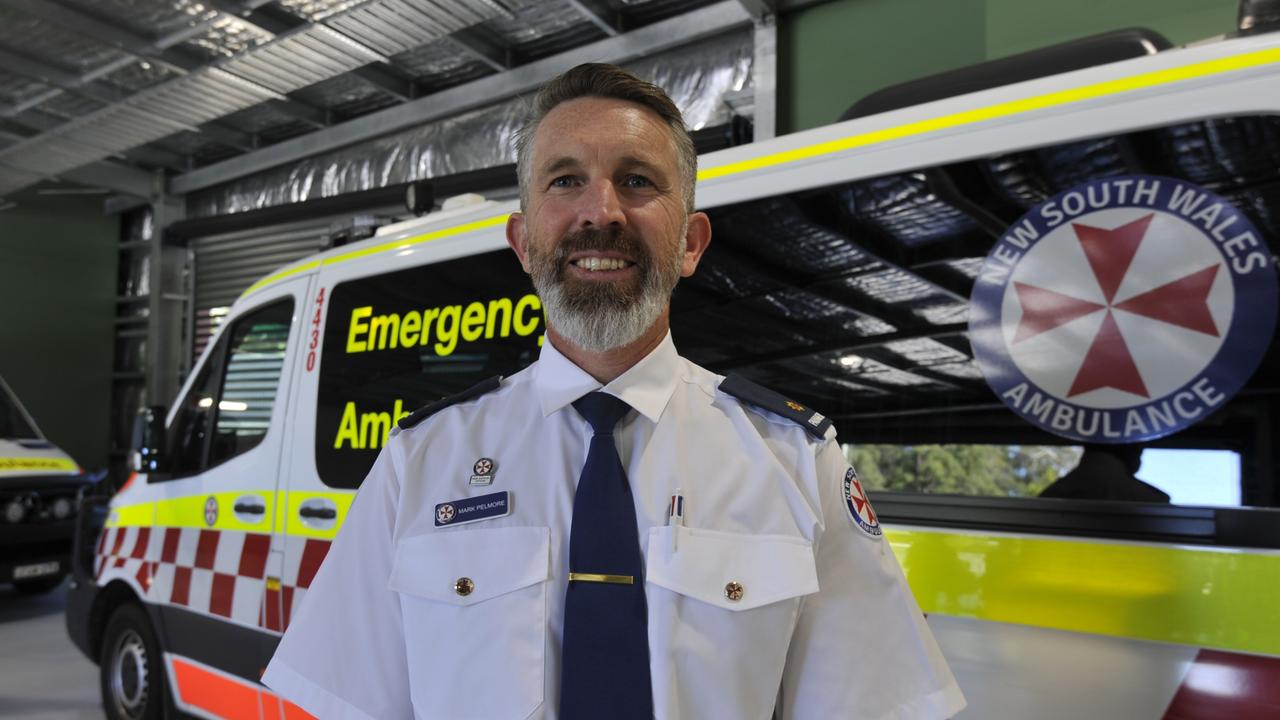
(859,507)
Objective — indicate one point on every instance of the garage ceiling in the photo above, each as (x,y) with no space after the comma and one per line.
(119,89)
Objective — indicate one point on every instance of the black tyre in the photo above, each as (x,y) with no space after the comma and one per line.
(39,585)
(130,668)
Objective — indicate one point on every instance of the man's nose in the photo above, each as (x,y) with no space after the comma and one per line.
(600,206)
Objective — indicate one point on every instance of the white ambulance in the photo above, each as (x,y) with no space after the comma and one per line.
(841,271)
(40,490)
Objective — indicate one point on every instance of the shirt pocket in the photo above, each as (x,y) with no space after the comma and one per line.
(474,609)
(722,609)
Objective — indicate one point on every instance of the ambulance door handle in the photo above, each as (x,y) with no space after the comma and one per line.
(249,509)
(318,513)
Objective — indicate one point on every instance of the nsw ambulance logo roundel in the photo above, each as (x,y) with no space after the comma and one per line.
(859,507)
(1124,309)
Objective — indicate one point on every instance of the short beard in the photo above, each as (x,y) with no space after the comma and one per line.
(597,316)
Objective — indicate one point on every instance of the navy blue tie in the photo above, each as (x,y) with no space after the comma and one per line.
(606,640)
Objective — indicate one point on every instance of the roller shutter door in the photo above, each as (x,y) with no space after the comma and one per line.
(227,264)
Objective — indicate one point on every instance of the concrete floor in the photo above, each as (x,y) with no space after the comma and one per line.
(42,675)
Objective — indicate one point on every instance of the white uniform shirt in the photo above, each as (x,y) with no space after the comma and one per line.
(825,628)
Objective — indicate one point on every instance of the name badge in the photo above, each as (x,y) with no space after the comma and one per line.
(473,509)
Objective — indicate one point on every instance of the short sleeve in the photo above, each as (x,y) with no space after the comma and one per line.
(343,655)
(861,648)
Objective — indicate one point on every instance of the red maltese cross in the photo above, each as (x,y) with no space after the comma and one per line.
(860,502)
(1108,362)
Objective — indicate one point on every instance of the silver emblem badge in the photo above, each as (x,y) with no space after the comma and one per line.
(482,472)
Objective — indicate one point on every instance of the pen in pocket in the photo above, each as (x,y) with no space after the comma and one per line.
(675,516)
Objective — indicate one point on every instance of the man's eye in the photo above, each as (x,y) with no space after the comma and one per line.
(563,181)
(637,181)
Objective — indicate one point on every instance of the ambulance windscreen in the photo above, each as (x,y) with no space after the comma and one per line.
(13,423)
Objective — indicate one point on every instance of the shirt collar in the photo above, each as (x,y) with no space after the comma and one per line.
(645,386)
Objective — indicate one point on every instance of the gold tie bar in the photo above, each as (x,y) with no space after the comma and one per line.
(596,577)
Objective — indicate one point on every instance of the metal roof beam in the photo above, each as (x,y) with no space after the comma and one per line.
(78,23)
(475,44)
(229,136)
(816,401)
(759,9)
(88,88)
(239,8)
(158,157)
(122,202)
(672,32)
(278,21)
(382,77)
(47,121)
(268,19)
(764,78)
(894,361)
(597,14)
(938,274)
(853,344)
(164,51)
(11,138)
(114,176)
(313,116)
(57,77)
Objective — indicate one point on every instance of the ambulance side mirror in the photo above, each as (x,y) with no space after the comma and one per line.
(148,454)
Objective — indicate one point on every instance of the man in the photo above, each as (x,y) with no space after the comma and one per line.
(654,541)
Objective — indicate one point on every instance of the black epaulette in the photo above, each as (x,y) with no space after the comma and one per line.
(814,422)
(422,413)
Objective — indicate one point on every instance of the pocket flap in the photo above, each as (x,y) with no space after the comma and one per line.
(713,566)
(436,565)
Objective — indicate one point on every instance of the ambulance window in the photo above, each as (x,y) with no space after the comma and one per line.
(971,327)
(1194,477)
(1202,477)
(190,429)
(954,469)
(398,341)
(251,380)
(228,408)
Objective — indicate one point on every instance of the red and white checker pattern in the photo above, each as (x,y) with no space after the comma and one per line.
(209,571)
(122,552)
(302,558)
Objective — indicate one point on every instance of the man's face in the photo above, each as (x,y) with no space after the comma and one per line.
(605,235)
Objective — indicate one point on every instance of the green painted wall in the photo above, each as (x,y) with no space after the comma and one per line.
(834,53)
(57,305)
(1014,26)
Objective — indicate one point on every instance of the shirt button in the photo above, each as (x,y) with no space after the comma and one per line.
(733,591)
(463,586)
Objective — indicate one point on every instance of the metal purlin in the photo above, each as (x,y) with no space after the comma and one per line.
(309,55)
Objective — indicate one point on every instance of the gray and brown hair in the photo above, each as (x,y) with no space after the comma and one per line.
(607,81)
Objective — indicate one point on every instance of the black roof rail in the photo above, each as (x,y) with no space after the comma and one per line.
(1064,57)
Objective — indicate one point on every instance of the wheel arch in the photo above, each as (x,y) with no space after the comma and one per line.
(109,597)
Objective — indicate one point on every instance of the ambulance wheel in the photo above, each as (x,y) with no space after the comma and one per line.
(130,669)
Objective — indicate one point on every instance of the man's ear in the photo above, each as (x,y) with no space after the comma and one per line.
(517,238)
(696,238)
